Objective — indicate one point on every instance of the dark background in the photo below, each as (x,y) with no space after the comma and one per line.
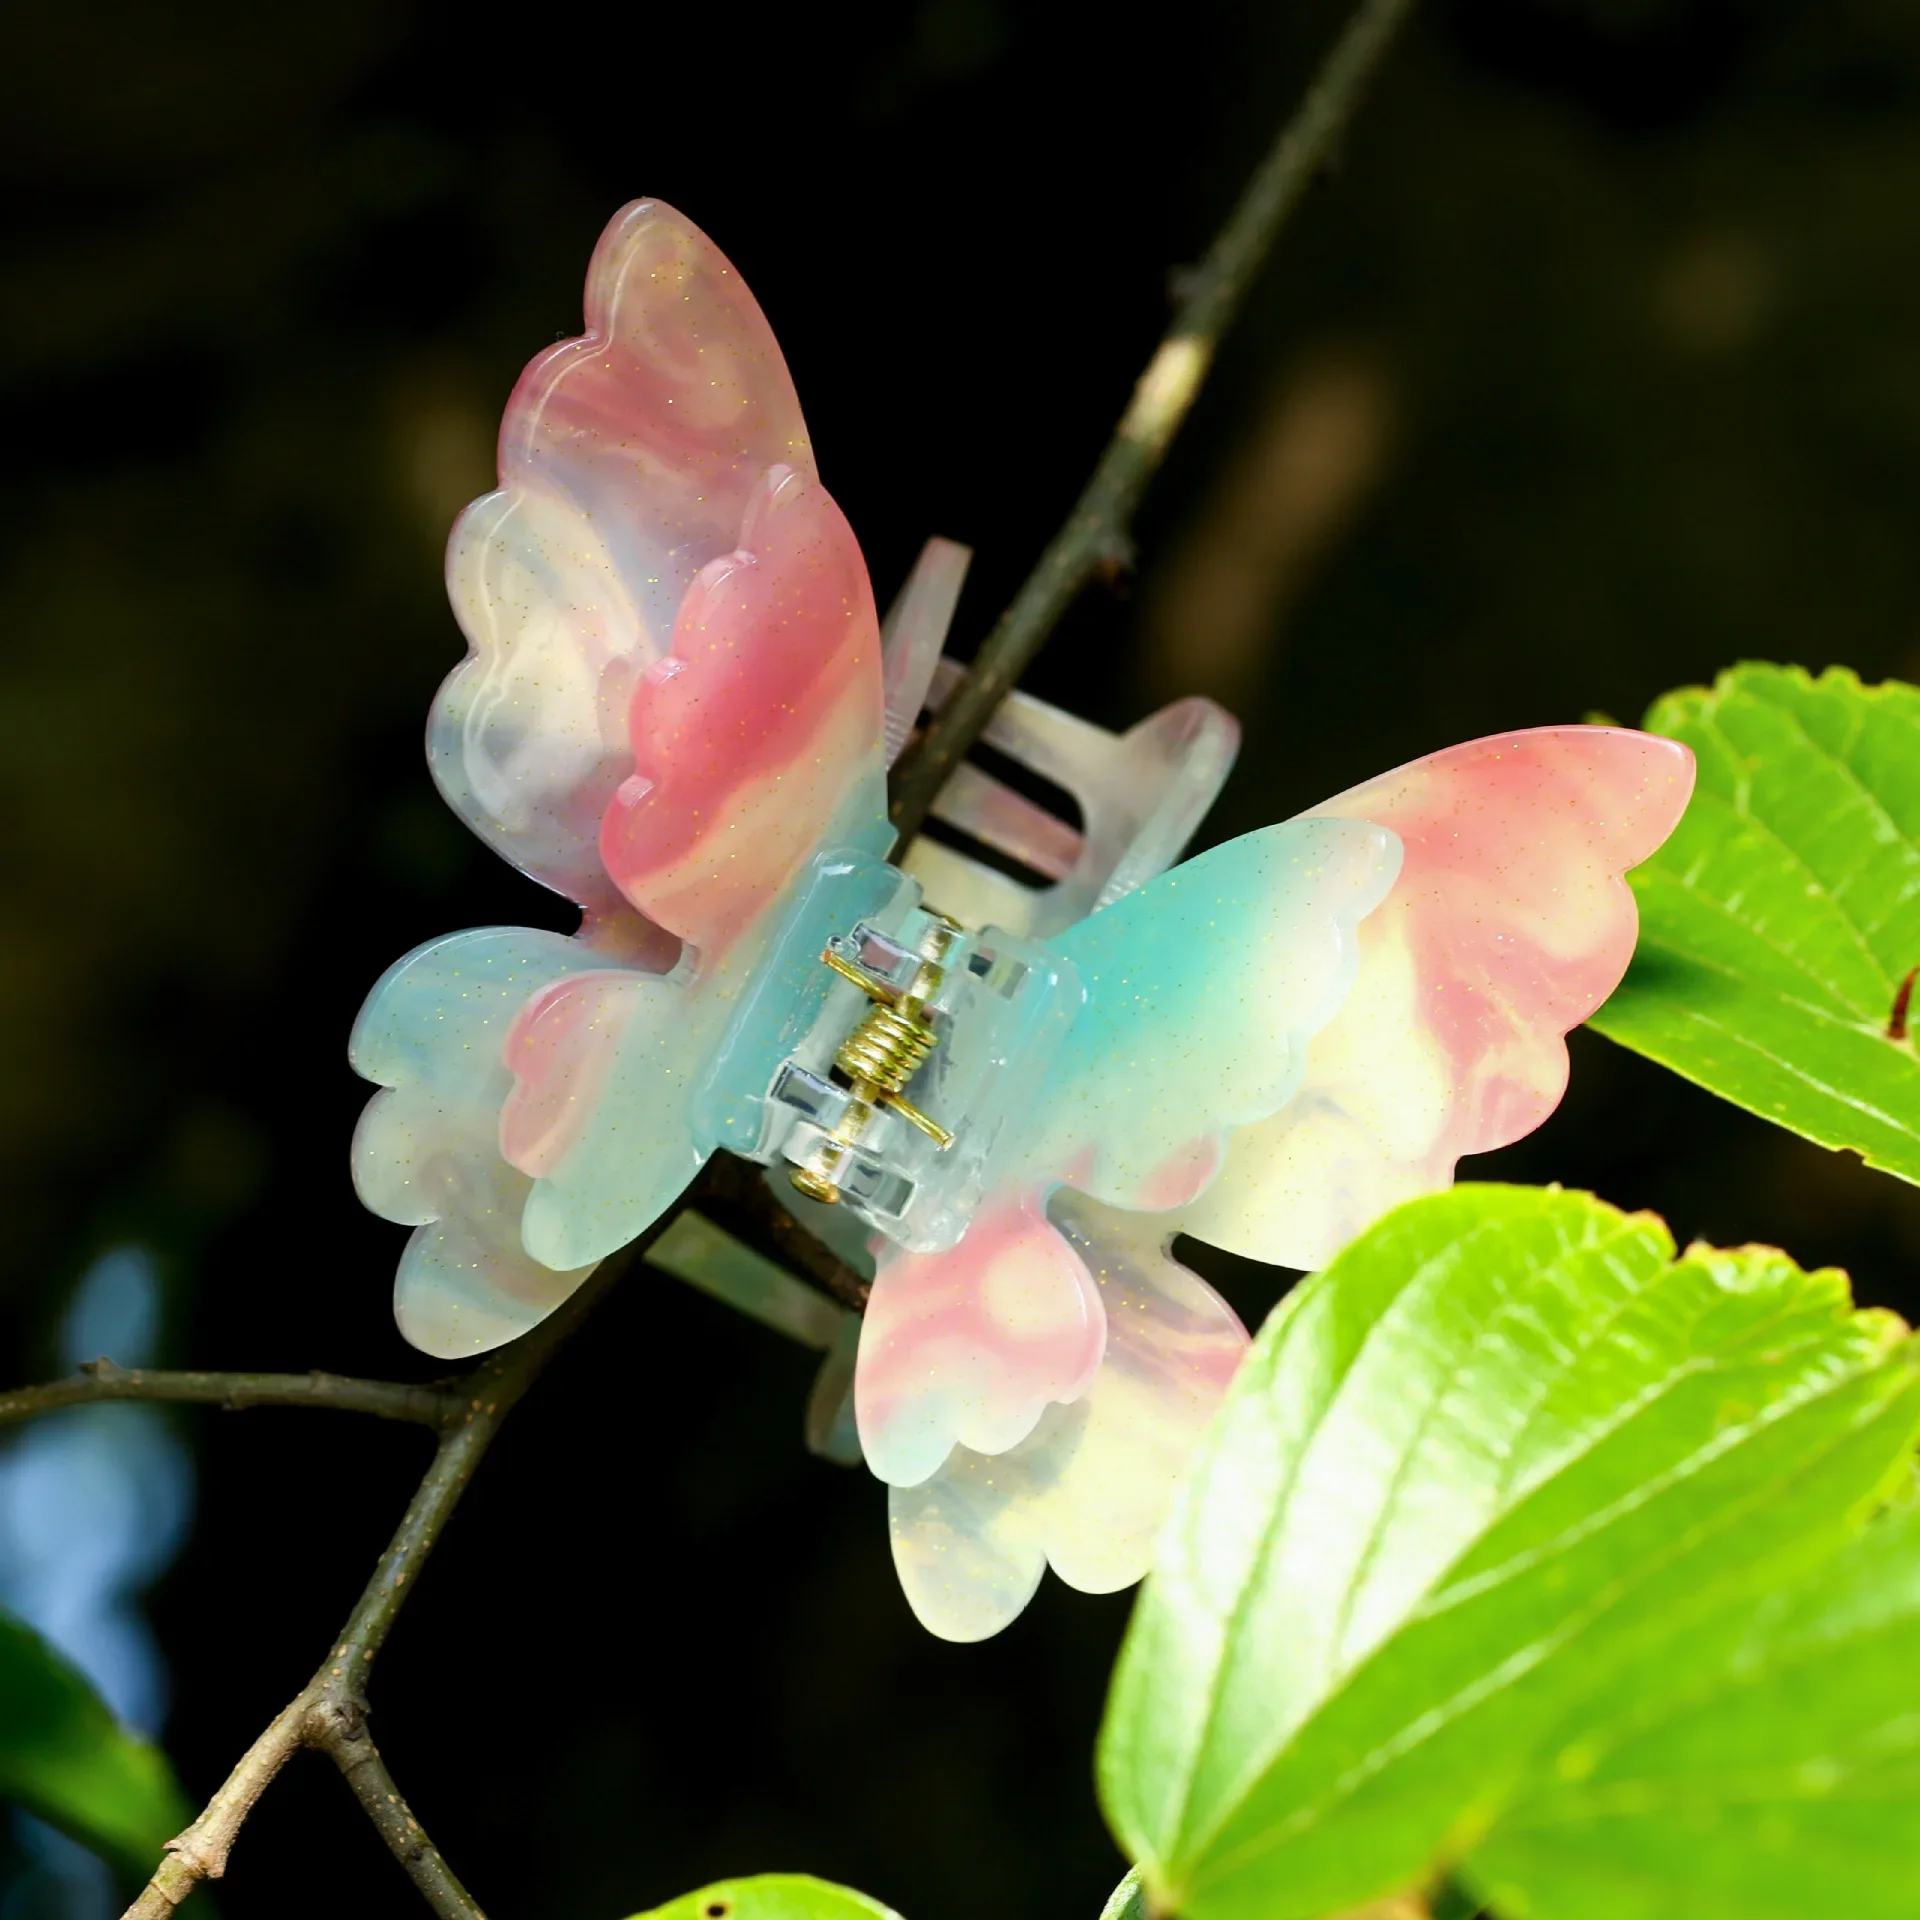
(1593,368)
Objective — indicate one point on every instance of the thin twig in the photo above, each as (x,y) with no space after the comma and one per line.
(102,1380)
(201,1852)
(489,1393)
(734,1192)
(330,1711)
(1095,537)
(366,1773)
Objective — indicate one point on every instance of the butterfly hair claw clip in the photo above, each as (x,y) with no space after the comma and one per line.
(678,711)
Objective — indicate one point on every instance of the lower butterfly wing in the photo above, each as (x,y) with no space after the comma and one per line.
(1510,923)
(1202,991)
(606,1069)
(427,1150)
(1087,1490)
(534,1114)
(967,1347)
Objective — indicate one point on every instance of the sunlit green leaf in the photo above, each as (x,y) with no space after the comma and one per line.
(1778,923)
(1467,1478)
(66,1758)
(772,1896)
(1764,1763)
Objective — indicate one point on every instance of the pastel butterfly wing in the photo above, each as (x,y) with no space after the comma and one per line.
(601,1113)
(426,1152)
(627,459)
(1202,991)
(759,739)
(967,1347)
(1086,1491)
(1510,923)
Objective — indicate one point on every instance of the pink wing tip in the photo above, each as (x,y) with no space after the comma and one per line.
(1668,774)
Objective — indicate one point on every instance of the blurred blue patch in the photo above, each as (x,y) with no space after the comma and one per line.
(94,1502)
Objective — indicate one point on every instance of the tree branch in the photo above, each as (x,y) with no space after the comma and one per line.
(1095,537)
(97,1380)
(488,1394)
(201,1852)
(358,1759)
(731,1190)
(330,1711)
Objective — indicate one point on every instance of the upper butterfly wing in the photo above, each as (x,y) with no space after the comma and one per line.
(627,461)
(1203,990)
(758,740)
(1510,923)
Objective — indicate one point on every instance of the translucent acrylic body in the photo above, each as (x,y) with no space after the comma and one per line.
(677,711)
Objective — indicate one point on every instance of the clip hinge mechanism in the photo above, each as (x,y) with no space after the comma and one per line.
(884,1052)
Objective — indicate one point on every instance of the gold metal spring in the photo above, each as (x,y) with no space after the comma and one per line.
(886,1049)
(879,1057)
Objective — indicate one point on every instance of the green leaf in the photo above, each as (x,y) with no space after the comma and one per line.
(1468,1475)
(1778,923)
(772,1896)
(1765,1767)
(65,1757)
